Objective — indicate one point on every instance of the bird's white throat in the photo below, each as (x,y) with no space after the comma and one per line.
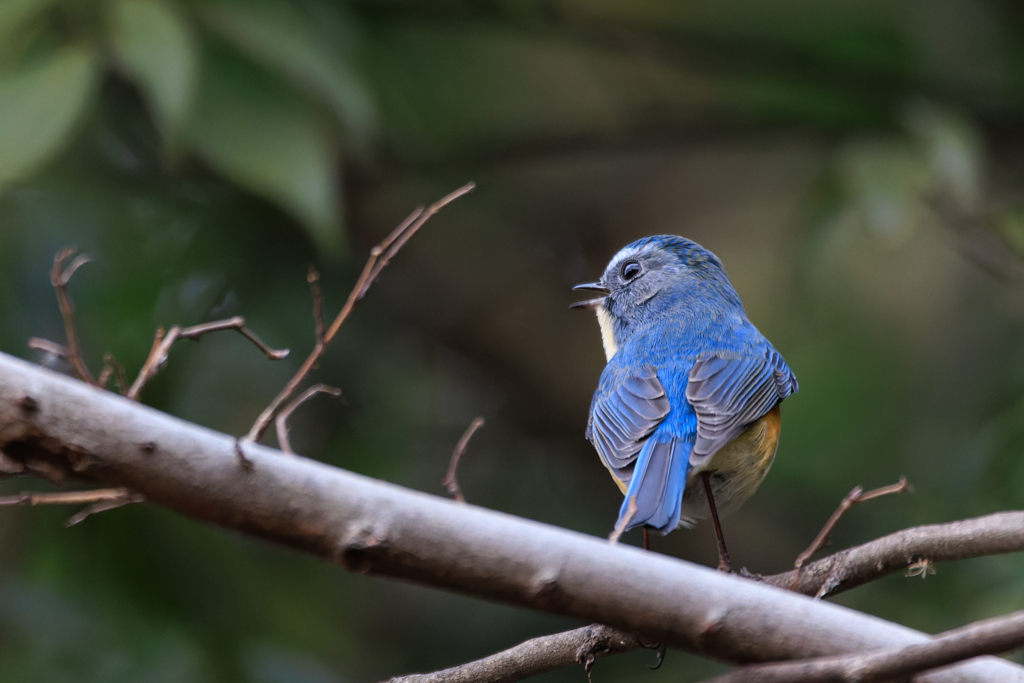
(604,319)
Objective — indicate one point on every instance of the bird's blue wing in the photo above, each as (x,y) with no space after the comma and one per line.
(729,393)
(651,469)
(623,415)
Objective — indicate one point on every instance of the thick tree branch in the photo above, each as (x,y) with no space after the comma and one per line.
(57,427)
(993,636)
(995,534)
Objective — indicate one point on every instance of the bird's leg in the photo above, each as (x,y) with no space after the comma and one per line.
(724,563)
(647,539)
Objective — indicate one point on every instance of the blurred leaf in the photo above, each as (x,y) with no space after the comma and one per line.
(158,49)
(953,147)
(266,137)
(14,12)
(885,181)
(281,37)
(39,106)
(1010,225)
(469,86)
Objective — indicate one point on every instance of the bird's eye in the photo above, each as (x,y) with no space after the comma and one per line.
(630,270)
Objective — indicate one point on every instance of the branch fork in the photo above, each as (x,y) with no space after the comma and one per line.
(856,495)
(380,256)
(98,500)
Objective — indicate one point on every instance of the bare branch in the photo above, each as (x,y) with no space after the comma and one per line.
(112,366)
(59,278)
(995,534)
(104,377)
(319,329)
(100,499)
(55,425)
(370,270)
(64,497)
(983,536)
(103,506)
(991,637)
(380,256)
(451,482)
(282,417)
(236,323)
(856,495)
(162,346)
(535,657)
(47,346)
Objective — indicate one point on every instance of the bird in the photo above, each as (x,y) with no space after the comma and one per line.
(686,413)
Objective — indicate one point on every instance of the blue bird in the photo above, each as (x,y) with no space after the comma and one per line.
(691,389)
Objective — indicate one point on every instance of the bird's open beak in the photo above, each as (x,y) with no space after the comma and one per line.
(590,304)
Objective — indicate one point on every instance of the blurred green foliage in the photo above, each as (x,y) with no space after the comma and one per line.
(856,166)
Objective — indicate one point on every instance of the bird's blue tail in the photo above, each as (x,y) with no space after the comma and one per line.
(659,479)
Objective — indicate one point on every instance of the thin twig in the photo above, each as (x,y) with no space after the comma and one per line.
(990,637)
(59,278)
(158,338)
(286,412)
(319,329)
(313,278)
(100,500)
(380,255)
(104,376)
(620,526)
(162,345)
(47,346)
(103,506)
(236,323)
(451,481)
(856,495)
(112,366)
(63,497)
(370,270)
(933,543)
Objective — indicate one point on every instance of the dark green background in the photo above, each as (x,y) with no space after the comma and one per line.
(856,165)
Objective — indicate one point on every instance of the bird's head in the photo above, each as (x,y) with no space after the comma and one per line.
(650,277)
